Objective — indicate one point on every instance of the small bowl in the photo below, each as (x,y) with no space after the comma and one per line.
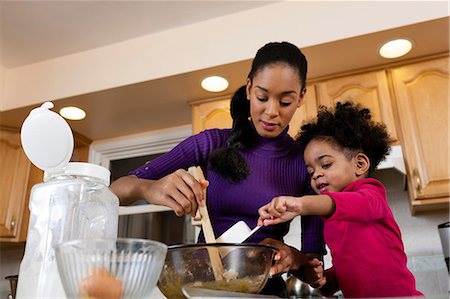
(246,268)
(110,268)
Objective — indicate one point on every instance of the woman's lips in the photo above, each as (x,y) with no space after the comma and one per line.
(268,126)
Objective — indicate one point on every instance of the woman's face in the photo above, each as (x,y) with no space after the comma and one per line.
(274,95)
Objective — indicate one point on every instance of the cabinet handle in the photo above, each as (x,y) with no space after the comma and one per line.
(417,180)
(12,224)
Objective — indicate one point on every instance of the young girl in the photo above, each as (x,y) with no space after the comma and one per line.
(342,148)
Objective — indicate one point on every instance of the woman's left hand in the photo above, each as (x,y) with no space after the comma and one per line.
(283,258)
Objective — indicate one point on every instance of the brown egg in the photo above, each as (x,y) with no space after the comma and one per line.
(101,285)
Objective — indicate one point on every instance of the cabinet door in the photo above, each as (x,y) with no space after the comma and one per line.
(14,174)
(370,90)
(211,114)
(422,95)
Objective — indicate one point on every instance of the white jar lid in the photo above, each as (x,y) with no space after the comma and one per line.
(47,139)
(85,169)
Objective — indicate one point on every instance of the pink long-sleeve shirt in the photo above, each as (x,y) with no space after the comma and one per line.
(366,244)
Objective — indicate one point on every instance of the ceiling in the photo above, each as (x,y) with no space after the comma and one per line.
(164,102)
(33,31)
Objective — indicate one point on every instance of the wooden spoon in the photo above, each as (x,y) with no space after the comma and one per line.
(208,232)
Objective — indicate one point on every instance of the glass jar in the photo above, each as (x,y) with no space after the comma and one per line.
(73,204)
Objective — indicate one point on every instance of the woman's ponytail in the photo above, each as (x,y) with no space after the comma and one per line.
(227,161)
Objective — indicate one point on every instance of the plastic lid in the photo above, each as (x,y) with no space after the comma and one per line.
(47,139)
(87,170)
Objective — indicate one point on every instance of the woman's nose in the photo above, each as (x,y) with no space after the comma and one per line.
(272,108)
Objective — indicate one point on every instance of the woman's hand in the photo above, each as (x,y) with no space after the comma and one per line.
(179,191)
(283,258)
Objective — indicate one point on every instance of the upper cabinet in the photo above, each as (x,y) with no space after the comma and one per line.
(215,113)
(412,101)
(369,89)
(212,113)
(17,175)
(422,96)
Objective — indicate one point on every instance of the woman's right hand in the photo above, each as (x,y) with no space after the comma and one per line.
(179,191)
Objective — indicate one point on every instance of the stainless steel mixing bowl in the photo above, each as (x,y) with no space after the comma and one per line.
(245,268)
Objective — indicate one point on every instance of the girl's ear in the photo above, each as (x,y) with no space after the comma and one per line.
(362,164)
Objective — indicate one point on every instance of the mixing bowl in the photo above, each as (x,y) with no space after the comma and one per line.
(245,268)
(110,268)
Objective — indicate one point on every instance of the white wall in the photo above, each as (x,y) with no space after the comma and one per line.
(214,42)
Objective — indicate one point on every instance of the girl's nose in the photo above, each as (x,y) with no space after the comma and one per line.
(316,175)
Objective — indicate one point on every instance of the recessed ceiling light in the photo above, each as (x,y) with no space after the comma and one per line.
(395,48)
(72,113)
(214,84)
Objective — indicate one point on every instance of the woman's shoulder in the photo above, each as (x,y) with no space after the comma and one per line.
(218,134)
(213,137)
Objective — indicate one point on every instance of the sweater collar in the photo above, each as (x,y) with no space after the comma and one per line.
(276,146)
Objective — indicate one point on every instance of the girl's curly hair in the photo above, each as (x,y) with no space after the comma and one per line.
(349,126)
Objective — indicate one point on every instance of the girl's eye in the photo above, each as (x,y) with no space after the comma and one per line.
(325,166)
(285,104)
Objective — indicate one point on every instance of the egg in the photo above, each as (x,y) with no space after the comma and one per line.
(101,285)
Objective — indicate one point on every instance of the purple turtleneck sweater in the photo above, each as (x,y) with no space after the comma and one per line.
(276,168)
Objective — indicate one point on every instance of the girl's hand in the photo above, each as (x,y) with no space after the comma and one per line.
(280,209)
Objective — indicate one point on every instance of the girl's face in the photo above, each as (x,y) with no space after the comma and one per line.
(330,169)
(274,95)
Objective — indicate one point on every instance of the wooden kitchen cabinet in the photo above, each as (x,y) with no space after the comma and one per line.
(215,113)
(211,113)
(17,175)
(81,148)
(422,95)
(369,89)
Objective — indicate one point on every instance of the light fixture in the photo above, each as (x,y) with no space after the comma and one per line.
(395,48)
(214,84)
(72,113)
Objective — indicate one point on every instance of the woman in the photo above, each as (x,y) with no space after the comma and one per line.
(246,166)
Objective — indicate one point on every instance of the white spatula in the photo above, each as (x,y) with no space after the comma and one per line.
(238,233)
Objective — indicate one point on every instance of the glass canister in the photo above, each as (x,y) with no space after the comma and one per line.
(73,202)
